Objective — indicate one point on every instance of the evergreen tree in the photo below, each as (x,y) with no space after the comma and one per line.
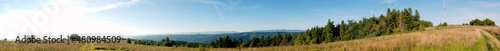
(129,41)
(239,41)
(277,39)
(417,15)
(343,31)
(328,31)
(167,42)
(298,39)
(286,39)
(254,42)
(393,22)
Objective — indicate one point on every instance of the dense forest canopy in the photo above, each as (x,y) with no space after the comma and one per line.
(393,21)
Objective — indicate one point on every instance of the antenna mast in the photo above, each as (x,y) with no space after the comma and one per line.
(444,10)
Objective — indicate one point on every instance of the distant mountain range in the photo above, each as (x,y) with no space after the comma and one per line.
(205,37)
(279,30)
(209,32)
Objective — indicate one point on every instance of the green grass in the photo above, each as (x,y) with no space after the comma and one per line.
(455,46)
(496,35)
(480,45)
(493,44)
(87,47)
(454,38)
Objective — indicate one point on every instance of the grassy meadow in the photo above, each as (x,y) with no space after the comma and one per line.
(450,38)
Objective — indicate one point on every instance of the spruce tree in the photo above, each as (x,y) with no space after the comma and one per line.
(328,31)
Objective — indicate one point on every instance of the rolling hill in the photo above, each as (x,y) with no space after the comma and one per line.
(451,38)
(203,37)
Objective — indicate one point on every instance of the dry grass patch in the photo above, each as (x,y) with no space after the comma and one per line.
(452,38)
(442,39)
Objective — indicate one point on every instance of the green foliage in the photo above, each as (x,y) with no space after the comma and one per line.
(201,47)
(343,34)
(286,39)
(328,31)
(393,22)
(74,37)
(485,22)
(298,40)
(488,22)
(129,41)
(167,42)
(187,44)
(443,24)
(164,42)
(276,40)
(465,24)
(146,42)
(476,22)
(224,42)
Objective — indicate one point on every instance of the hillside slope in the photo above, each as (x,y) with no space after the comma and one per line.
(452,38)
(206,38)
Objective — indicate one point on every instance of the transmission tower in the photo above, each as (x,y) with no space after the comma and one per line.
(444,10)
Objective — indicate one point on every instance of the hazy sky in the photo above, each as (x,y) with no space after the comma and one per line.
(174,16)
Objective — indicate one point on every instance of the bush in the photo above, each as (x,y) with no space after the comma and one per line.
(485,22)
(443,24)
(74,37)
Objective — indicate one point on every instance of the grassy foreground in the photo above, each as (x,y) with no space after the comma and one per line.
(451,38)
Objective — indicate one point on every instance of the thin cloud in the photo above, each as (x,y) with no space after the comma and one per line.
(473,13)
(223,6)
(475,10)
(70,17)
(489,4)
(116,5)
(388,1)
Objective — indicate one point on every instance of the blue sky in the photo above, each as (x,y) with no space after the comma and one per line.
(176,16)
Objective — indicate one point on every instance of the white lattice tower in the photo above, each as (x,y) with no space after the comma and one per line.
(444,10)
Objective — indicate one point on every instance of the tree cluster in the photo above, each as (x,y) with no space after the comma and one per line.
(393,22)
(485,22)
(164,42)
(442,24)
(225,42)
(264,41)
